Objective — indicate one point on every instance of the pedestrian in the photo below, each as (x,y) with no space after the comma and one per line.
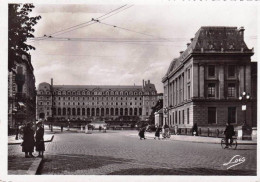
(28,141)
(141,133)
(99,128)
(157,132)
(195,130)
(61,127)
(229,132)
(40,147)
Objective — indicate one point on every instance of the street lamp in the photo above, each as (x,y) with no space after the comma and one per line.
(244,97)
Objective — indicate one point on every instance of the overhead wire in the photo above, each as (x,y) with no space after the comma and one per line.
(81,25)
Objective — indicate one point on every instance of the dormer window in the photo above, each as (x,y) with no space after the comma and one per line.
(231,71)
(211,71)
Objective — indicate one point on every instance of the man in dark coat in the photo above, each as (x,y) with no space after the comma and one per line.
(157,132)
(229,132)
(28,141)
(141,133)
(40,147)
(195,130)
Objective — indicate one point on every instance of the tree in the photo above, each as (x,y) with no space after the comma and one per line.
(157,107)
(20,28)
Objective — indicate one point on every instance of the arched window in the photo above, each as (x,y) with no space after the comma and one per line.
(73,111)
(121,111)
(107,111)
(59,111)
(112,111)
(88,111)
(78,111)
(126,93)
(68,92)
(116,93)
(73,93)
(131,112)
(135,111)
(97,112)
(102,111)
(93,112)
(78,92)
(83,112)
(126,111)
(69,111)
(140,111)
(64,111)
(140,93)
(116,111)
(121,93)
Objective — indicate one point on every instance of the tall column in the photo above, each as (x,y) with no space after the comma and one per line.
(201,81)
(195,76)
(248,79)
(221,75)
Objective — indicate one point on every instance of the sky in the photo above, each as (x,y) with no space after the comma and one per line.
(126,63)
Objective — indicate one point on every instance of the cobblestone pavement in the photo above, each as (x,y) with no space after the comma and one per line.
(120,153)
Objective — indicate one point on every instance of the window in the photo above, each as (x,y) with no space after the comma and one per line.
(179,117)
(231,70)
(188,116)
(212,115)
(232,114)
(188,74)
(182,116)
(211,90)
(188,91)
(211,71)
(231,90)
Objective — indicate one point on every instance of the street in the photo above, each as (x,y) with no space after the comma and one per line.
(123,153)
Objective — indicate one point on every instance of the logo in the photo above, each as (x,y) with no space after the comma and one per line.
(234,161)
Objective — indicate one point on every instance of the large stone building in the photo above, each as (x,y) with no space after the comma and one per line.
(21,93)
(92,102)
(204,83)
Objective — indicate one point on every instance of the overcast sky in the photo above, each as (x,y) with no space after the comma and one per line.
(110,63)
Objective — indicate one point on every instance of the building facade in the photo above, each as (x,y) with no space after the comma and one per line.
(204,83)
(21,93)
(91,102)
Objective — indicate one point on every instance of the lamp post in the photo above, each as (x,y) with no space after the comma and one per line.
(244,97)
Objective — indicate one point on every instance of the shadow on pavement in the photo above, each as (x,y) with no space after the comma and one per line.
(183,171)
(60,163)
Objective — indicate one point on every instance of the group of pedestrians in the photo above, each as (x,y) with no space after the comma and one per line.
(159,129)
(33,139)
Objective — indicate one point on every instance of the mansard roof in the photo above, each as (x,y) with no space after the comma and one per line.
(213,39)
(99,87)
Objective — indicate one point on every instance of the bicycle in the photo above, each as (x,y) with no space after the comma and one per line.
(232,145)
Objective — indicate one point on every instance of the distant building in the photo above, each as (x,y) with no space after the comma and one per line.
(21,93)
(204,83)
(92,102)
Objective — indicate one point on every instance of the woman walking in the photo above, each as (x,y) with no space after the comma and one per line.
(157,132)
(28,141)
(40,147)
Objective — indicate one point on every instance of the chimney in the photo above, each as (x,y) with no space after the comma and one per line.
(188,44)
(143,83)
(181,52)
(51,81)
(148,81)
(241,31)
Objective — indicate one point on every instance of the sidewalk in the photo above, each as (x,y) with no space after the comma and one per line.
(199,139)
(18,164)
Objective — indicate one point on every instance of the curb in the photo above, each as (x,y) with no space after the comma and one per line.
(31,171)
(19,143)
(208,142)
